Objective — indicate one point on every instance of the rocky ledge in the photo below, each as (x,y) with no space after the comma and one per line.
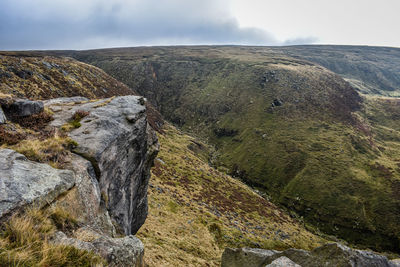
(104,184)
(333,254)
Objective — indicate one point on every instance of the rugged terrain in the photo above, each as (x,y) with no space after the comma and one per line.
(195,211)
(88,196)
(285,124)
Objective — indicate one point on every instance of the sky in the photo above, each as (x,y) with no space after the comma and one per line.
(88,24)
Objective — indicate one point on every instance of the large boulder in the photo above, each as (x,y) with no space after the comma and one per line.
(117,140)
(23,182)
(333,254)
(23,108)
(125,251)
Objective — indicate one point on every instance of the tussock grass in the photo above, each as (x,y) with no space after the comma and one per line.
(53,150)
(24,241)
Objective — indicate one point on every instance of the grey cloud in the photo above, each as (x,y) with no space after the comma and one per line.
(83,24)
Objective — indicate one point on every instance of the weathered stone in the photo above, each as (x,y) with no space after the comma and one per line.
(3,118)
(333,254)
(84,201)
(23,182)
(249,257)
(282,262)
(116,139)
(23,107)
(125,251)
(65,100)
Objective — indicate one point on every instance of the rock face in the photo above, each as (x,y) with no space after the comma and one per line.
(23,108)
(116,139)
(23,182)
(328,255)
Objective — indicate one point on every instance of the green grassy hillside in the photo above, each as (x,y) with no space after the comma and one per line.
(285,125)
(195,211)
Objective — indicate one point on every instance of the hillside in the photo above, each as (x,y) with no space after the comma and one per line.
(372,70)
(50,77)
(288,126)
(195,211)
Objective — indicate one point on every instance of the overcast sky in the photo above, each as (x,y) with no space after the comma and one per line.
(85,24)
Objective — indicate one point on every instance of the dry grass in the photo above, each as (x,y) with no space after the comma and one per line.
(24,242)
(53,150)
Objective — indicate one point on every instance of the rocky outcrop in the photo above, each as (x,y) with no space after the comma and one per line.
(334,254)
(23,182)
(115,138)
(104,184)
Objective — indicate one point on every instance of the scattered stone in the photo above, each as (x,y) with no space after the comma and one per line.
(5,74)
(47,64)
(277,103)
(24,182)
(3,118)
(23,74)
(333,254)
(161,161)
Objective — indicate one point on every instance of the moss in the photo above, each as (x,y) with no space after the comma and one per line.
(75,121)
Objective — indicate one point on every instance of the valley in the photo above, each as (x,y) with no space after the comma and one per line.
(265,147)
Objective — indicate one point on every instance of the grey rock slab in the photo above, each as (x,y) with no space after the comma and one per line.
(283,262)
(249,257)
(24,182)
(65,100)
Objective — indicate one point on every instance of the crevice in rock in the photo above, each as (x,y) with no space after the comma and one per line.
(92,160)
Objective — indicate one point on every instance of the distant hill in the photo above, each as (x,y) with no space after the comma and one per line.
(372,70)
